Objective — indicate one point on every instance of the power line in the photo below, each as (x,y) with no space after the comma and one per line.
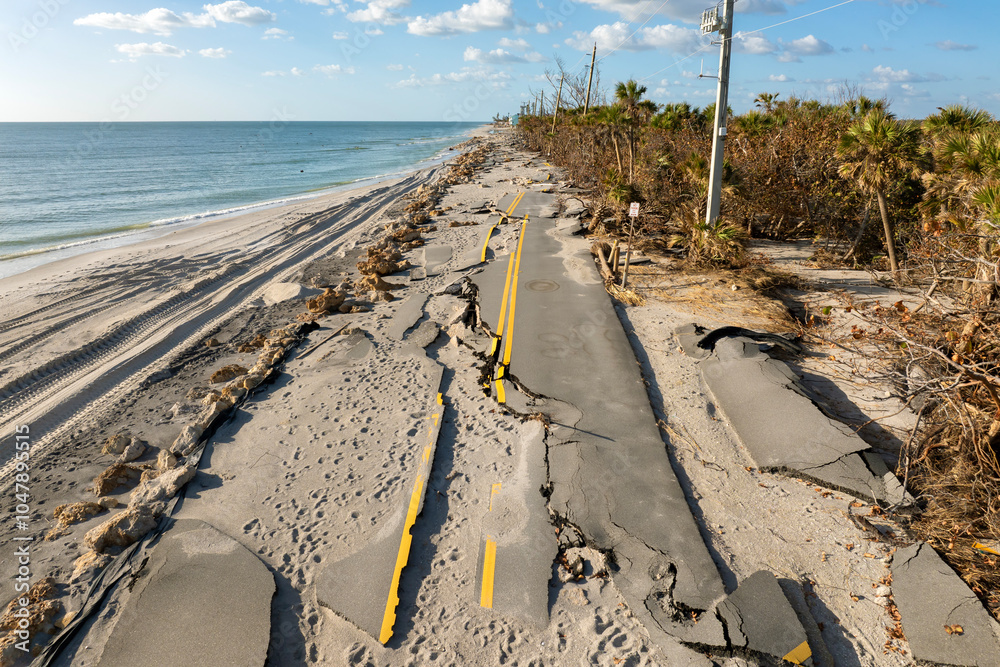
(804,16)
(797,18)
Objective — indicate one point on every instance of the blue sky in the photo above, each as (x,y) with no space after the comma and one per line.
(144,60)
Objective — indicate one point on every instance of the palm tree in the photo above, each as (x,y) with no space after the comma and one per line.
(766,101)
(956,118)
(877,151)
(613,118)
(675,116)
(629,98)
(862,106)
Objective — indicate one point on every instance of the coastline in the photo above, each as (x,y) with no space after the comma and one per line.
(142,231)
(311,467)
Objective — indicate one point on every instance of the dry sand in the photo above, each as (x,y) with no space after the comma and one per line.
(304,471)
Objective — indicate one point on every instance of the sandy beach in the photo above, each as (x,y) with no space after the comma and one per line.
(313,463)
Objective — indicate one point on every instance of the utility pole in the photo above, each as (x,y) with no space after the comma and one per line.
(541,105)
(590,80)
(558,98)
(710,23)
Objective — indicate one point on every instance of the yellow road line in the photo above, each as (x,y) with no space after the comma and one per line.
(501,395)
(489,568)
(799,654)
(503,305)
(389,618)
(514,204)
(486,244)
(513,296)
(493,491)
(403,555)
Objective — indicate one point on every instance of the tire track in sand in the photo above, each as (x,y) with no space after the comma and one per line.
(57,395)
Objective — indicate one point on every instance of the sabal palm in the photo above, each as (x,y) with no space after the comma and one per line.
(877,151)
(955,118)
(628,95)
(766,101)
(965,165)
(613,118)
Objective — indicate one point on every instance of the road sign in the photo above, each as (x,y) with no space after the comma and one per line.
(633,209)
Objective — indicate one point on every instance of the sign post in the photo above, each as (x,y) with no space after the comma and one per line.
(633,213)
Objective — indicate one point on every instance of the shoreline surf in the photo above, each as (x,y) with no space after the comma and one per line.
(20,261)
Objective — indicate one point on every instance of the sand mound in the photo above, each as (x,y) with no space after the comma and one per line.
(122,529)
(326,302)
(227,373)
(114,476)
(374,283)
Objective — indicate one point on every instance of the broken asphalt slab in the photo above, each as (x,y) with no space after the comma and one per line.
(944,621)
(518,546)
(781,428)
(759,619)
(609,472)
(407,314)
(364,587)
(202,600)
(433,256)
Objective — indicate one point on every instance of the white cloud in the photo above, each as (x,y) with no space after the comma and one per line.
(331,70)
(134,51)
(215,53)
(163,22)
(886,74)
(619,35)
(383,12)
(276,33)
(480,15)
(672,38)
(810,45)
(780,78)
(394,68)
(273,73)
(156,21)
(297,72)
(499,56)
(237,11)
(753,43)
(789,57)
(546,28)
(484,74)
(912,91)
(372,30)
(688,11)
(514,44)
(340,34)
(948,45)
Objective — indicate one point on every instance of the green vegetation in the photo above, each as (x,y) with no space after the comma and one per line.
(803,168)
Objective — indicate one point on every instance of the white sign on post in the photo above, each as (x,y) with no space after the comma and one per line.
(633,209)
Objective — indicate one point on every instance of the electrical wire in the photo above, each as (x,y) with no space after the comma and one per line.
(731,37)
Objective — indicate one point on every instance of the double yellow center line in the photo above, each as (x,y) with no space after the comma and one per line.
(509,296)
(506,214)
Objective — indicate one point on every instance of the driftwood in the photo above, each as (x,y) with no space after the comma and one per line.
(602,260)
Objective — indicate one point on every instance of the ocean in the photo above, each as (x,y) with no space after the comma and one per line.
(67,188)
